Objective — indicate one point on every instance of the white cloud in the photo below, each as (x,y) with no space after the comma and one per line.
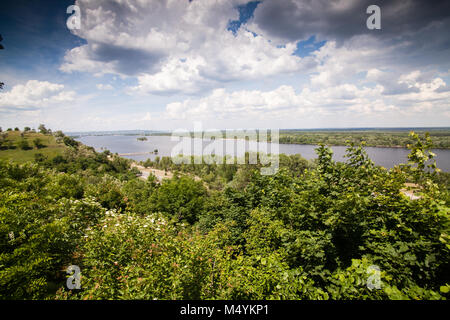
(134,37)
(34,94)
(285,103)
(221,104)
(176,76)
(80,59)
(175,46)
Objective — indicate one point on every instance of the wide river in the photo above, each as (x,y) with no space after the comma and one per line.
(386,157)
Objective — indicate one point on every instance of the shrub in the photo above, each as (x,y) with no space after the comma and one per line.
(38,143)
(23,144)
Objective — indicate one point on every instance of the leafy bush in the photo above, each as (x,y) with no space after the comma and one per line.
(38,143)
(311,231)
(182,198)
(23,144)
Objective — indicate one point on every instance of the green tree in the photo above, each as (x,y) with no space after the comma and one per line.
(182,198)
(421,162)
(38,143)
(42,129)
(68,141)
(59,134)
(23,144)
(39,157)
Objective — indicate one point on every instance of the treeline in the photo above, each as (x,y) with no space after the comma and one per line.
(371,138)
(441,138)
(314,230)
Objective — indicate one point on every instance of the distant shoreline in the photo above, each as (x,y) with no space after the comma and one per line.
(358,129)
(373,137)
(281,143)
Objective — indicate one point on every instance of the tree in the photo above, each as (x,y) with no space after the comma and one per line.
(16,129)
(68,141)
(59,134)
(42,129)
(180,197)
(38,143)
(26,129)
(23,144)
(421,157)
(39,157)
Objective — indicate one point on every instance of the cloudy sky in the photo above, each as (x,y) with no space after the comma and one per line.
(163,64)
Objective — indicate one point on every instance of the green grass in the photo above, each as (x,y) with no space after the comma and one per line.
(51,149)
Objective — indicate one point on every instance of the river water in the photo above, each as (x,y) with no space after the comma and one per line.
(386,157)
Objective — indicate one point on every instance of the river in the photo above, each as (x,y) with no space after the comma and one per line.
(386,157)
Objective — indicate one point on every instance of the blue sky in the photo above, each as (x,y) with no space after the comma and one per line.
(229,64)
(245,13)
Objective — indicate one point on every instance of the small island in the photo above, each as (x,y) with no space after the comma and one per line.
(142,139)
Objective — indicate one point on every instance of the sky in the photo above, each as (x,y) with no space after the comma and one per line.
(227,64)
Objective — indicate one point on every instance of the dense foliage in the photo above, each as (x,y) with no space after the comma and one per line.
(314,230)
(373,138)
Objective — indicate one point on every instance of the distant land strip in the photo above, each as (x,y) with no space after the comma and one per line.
(134,154)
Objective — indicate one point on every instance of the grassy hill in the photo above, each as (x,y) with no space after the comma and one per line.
(10,146)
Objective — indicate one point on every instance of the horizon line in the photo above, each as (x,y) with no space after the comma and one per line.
(281,129)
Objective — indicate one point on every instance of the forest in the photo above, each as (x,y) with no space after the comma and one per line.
(394,138)
(314,230)
(372,138)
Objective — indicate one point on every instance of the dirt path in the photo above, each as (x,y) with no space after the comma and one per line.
(146,172)
(159,174)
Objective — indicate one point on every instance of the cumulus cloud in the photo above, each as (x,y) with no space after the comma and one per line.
(287,103)
(390,83)
(283,102)
(222,104)
(414,30)
(33,95)
(175,46)
(342,19)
